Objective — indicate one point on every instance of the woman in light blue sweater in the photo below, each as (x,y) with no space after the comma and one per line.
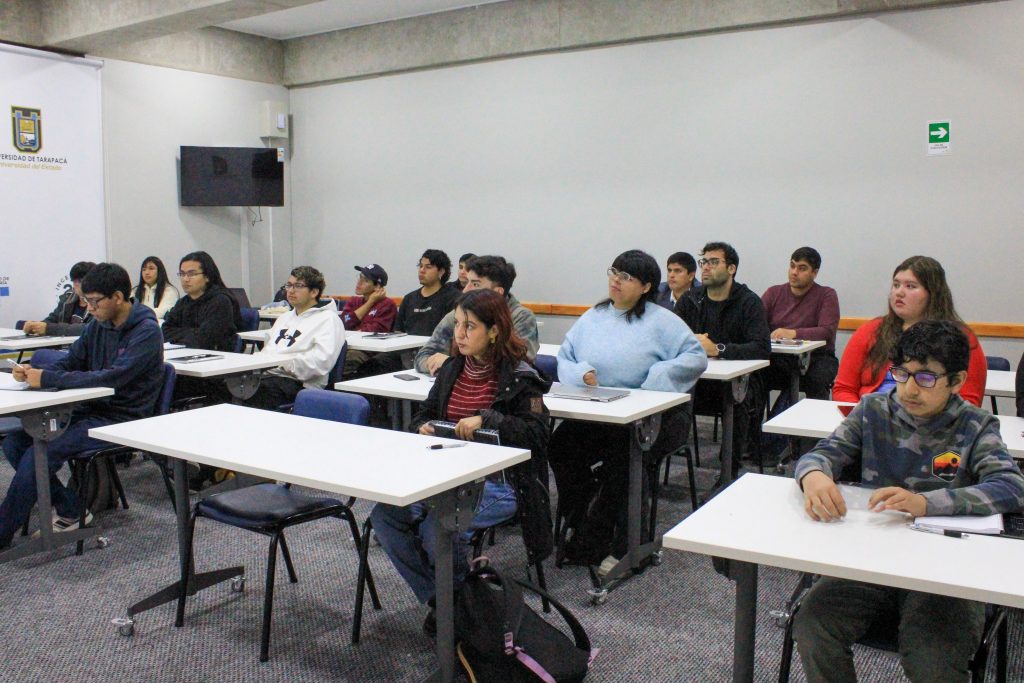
(625,341)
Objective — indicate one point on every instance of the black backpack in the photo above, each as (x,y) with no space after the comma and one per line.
(499,638)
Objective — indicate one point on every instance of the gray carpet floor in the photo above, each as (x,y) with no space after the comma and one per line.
(673,623)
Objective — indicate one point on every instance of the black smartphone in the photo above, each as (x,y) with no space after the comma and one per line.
(407,378)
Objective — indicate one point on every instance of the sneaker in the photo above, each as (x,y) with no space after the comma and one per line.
(607,564)
(61,524)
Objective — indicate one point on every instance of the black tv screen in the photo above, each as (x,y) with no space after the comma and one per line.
(231,176)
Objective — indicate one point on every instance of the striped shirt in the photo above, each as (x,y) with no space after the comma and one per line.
(474,390)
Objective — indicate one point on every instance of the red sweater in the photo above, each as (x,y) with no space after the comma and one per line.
(856,379)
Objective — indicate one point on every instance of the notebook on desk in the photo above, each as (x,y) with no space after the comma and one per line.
(599,394)
(196,358)
(1010,525)
(447,431)
(385,335)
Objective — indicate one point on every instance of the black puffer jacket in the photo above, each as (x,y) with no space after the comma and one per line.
(521,420)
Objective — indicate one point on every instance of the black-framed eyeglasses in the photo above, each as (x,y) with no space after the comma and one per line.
(189,273)
(289,286)
(620,275)
(93,302)
(923,378)
(713,262)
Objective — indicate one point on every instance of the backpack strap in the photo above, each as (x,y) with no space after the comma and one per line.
(578,634)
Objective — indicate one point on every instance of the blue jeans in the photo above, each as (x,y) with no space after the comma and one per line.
(21,496)
(407,536)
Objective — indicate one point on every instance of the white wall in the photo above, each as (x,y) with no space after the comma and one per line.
(811,134)
(148,113)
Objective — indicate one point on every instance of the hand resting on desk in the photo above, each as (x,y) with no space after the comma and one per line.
(823,502)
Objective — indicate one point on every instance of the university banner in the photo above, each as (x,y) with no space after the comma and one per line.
(51,177)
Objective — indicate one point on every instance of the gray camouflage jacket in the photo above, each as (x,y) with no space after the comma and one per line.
(957,460)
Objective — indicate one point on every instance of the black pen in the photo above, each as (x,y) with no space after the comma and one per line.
(944,532)
(439,446)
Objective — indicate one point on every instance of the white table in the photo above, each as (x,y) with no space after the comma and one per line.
(272,315)
(803,353)
(16,340)
(641,409)
(816,419)
(357,341)
(759,519)
(737,374)
(330,456)
(45,415)
(549,350)
(1001,383)
(241,371)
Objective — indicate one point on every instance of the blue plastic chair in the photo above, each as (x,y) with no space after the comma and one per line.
(269,509)
(997,363)
(250,323)
(548,366)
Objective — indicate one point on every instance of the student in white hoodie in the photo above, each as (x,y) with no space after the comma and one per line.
(307,339)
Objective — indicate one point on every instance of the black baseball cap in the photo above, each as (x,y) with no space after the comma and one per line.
(374,274)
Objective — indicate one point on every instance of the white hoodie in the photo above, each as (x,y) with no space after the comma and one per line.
(308,345)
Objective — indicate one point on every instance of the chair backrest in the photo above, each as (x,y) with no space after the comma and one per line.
(163,402)
(548,365)
(332,405)
(47,358)
(335,375)
(20,325)
(250,319)
(997,363)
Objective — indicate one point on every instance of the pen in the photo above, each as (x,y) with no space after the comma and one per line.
(942,532)
(439,446)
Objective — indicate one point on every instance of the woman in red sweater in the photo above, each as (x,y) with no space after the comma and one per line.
(919,292)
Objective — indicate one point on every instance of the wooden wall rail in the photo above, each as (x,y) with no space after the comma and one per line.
(1008,330)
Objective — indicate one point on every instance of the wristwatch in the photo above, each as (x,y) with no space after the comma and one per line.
(721,348)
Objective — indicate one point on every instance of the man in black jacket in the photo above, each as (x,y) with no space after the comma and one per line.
(71,314)
(730,323)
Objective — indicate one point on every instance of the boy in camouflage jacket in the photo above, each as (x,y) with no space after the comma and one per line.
(927,452)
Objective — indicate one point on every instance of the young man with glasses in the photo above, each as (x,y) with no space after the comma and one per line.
(925,451)
(71,314)
(207,315)
(120,348)
(307,340)
(730,323)
(681,272)
(482,272)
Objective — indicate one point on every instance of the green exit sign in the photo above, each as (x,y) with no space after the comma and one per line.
(938,137)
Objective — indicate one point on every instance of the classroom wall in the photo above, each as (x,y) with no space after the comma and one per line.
(148,113)
(771,139)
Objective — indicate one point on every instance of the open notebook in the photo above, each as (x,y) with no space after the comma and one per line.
(1008,525)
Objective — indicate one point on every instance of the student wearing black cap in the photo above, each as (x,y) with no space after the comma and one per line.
(370,310)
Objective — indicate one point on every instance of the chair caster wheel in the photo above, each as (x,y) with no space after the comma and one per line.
(656,558)
(238,584)
(598,596)
(125,626)
(102,542)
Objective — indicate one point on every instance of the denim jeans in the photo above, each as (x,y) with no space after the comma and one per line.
(938,635)
(21,496)
(407,536)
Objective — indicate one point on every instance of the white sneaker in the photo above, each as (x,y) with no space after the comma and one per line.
(607,564)
(61,524)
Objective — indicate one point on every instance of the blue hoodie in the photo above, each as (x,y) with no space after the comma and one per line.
(128,359)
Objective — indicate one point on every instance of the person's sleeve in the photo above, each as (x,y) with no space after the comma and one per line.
(851,365)
(1020,387)
(1000,486)
(768,300)
(571,369)
(681,371)
(75,359)
(686,308)
(440,342)
(757,343)
(174,329)
(65,329)
(526,426)
(382,320)
(837,450)
(54,315)
(218,323)
(827,322)
(430,409)
(136,360)
(977,374)
(525,323)
(403,311)
(167,302)
(316,361)
(348,313)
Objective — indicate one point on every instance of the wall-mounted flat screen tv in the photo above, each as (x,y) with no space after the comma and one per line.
(231,176)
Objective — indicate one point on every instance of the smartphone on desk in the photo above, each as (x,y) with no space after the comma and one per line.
(407,378)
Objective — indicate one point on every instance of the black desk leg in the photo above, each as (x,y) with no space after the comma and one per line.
(732,395)
(745,575)
(45,426)
(452,515)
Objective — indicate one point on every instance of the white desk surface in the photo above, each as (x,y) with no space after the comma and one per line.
(272,315)
(227,364)
(13,402)
(25,342)
(357,341)
(637,405)
(722,370)
(549,350)
(1001,383)
(805,346)
(816,419)
(760,519)
(375,464)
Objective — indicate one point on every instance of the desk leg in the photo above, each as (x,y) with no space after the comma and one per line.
(45,426)
(745,575)
(731,396)
(243,386)
(453,512)
(395,410)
